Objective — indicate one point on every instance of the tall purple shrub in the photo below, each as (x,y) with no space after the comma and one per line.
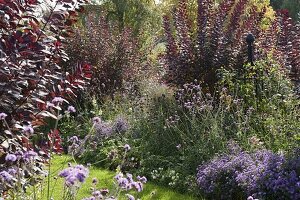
(220,40)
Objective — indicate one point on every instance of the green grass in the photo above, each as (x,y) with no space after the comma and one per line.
(105,177)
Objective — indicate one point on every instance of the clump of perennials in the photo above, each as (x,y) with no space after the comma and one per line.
(261,174)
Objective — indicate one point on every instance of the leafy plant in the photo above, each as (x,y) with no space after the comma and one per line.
(113,55)
(31,51)
(219,41)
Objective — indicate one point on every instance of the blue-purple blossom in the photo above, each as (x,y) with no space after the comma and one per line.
(103,130)
(10,158)
(71,109)
(5,176)
(29,155)
(138,186)
(75,174)
(12,171)
(127,183)
(3,116)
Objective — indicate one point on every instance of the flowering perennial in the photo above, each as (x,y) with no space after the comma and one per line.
(73,175)
(261,174)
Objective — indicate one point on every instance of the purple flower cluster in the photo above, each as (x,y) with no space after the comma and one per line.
(73,175)
(10,158)
(120,125)
(29,156)
(127,183)
(102,129)
(261,174)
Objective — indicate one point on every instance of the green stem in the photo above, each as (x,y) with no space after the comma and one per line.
(50,155)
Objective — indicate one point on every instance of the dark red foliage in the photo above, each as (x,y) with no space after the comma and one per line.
(220,41)
(113,55)
(31,52)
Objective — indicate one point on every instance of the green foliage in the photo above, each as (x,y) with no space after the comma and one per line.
(178,132)
(292,5)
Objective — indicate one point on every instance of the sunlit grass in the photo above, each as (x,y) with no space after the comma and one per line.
(105,178)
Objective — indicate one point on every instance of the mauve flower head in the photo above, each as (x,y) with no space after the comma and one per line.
(103,130)
(3,116)
(5,176)
(57,100)
(129,177)
(127,147)
(96,120)
(10,158)
(28,129)
(138,186)
(130,197)
(120,125)
(29,155)
(74,174)
(71,109)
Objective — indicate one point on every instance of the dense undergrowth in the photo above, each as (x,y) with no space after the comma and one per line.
(185,109)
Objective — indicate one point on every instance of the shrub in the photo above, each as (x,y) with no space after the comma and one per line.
(219,41)
(31,51)
(114,56)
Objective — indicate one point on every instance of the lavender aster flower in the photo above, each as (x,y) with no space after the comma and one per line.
(3,116)
(10,158)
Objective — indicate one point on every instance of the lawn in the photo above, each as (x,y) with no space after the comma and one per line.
(105,177)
